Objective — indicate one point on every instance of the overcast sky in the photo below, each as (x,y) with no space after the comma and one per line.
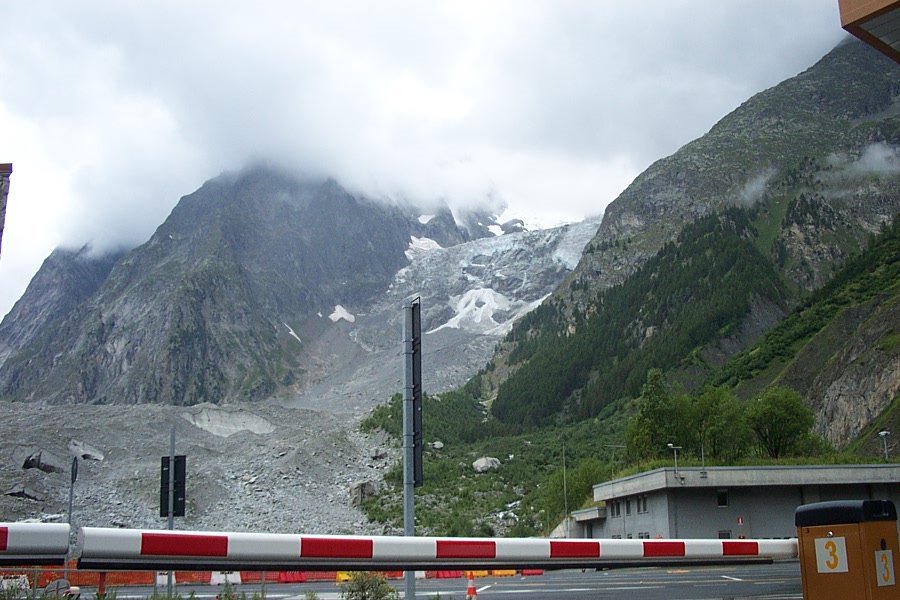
(110,111)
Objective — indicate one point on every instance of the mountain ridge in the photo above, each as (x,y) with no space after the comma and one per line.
(815,161)
(228,297)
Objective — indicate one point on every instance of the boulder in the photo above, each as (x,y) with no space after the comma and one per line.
(361,492)
(20,490)
(45,461)
(485,464)
(437,445)
(84,451)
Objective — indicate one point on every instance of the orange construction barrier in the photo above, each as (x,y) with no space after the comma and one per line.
(202,577)
(444,574)
(320,575)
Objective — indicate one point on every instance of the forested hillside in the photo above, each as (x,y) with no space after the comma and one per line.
(710,248)
(751,411)
(695,290)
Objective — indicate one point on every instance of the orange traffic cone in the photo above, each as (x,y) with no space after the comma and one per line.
(471,592)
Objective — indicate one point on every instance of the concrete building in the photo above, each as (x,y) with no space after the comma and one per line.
(5,172)
(876,22)
(725,502)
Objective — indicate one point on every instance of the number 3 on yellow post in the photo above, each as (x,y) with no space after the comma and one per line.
(884,567)
(831,555)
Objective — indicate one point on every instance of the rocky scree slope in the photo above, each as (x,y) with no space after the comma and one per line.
(249,467)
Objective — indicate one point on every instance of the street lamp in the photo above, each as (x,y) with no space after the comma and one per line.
(675,449)
(884,433)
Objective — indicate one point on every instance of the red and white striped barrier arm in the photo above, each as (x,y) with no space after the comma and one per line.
(130,548)
(33,543)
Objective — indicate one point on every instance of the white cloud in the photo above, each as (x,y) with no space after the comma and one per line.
(110,111)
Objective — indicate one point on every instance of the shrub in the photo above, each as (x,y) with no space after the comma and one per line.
(368,586)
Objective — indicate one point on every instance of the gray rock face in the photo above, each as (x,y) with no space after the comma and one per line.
(193,314)
(251,288)
(63,282)
(850,371)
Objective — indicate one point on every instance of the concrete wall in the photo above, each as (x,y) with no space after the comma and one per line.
(751,512)
(655,522)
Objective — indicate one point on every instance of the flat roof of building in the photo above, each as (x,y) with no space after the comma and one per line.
(723,477)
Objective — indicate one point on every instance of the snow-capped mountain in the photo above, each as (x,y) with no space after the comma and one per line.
(263,284)
(471,293)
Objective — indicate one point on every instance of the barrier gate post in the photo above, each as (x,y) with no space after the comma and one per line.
(848,549)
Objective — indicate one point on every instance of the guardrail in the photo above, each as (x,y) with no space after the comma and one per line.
(33,543)
(127,549)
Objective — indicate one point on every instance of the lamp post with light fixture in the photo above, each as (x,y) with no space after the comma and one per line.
(675,449)
(883,435)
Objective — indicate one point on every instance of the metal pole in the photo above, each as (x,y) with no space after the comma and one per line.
(170,580)
(565,490)
(408,442)
(71,499)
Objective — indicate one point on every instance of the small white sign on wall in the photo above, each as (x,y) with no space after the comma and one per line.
(884,568)
(831,555)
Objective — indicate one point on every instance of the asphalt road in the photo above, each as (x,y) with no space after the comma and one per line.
(778,581)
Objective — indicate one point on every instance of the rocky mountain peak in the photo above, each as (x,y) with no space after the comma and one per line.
(227,299)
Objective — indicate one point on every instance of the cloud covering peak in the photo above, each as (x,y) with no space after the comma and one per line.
(111,111)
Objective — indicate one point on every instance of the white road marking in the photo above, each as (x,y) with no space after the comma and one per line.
(731,578)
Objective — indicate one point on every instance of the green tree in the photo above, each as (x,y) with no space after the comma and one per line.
(780,418)
(663,418)
(578,486)
(720,426)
